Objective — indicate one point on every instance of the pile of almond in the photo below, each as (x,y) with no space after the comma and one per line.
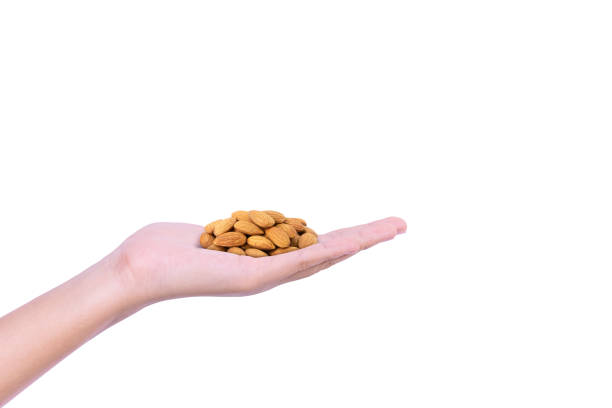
(257,234)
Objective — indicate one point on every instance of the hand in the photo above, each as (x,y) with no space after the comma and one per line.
(165,260)
(161,261)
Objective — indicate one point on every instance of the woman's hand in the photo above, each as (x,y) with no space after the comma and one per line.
(161,261)
(165,260)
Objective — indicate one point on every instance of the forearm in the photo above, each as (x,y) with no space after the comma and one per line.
(42,332)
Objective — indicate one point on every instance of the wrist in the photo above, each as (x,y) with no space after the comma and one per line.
(116,279)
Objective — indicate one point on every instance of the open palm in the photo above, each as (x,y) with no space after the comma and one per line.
(165,260)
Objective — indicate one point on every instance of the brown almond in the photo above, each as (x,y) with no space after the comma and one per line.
(278,217)
(307,239)
(278,236)
(289,230)
(295,240)
(236,250)
(247,227)
(261,219)
(216,248)
(230,239)
(211,226)
(260,242)
(296,223)
(279,251)
(223,226)
(308,229)
(206,239)
(241,215)
(254,252)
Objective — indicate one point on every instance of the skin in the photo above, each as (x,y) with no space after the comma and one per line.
(159,262)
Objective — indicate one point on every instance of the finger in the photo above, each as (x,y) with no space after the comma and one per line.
(368,235)
(278,268)
(331,246)
(315,269)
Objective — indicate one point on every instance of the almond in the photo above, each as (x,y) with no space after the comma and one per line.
(261,219)
(278,217)
(279,251)
(206,239)
(257,233)
(300,220)
(247,227)
(241,215)
(307,239)
(296,223)
(289,230)
(224,226)
(254,252)
(295,240)
(211,227)
(236,250)
(259,242)
(230,239)
(278,237)
(307,229)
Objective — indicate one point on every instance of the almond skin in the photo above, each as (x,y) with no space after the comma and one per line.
(261,219)
(259,242)
(206,239)
(278,217)
(278,237)
(307,239)
(256,253)
(214,247)
(289,230)
(279,251)
(211,227)
(230,239)
(224,226)
(241,215)
(296,223)
(295,240)
(236,251)
(247,227)
(308,229)
(300,220)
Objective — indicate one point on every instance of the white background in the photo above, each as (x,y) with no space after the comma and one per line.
(485,125)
